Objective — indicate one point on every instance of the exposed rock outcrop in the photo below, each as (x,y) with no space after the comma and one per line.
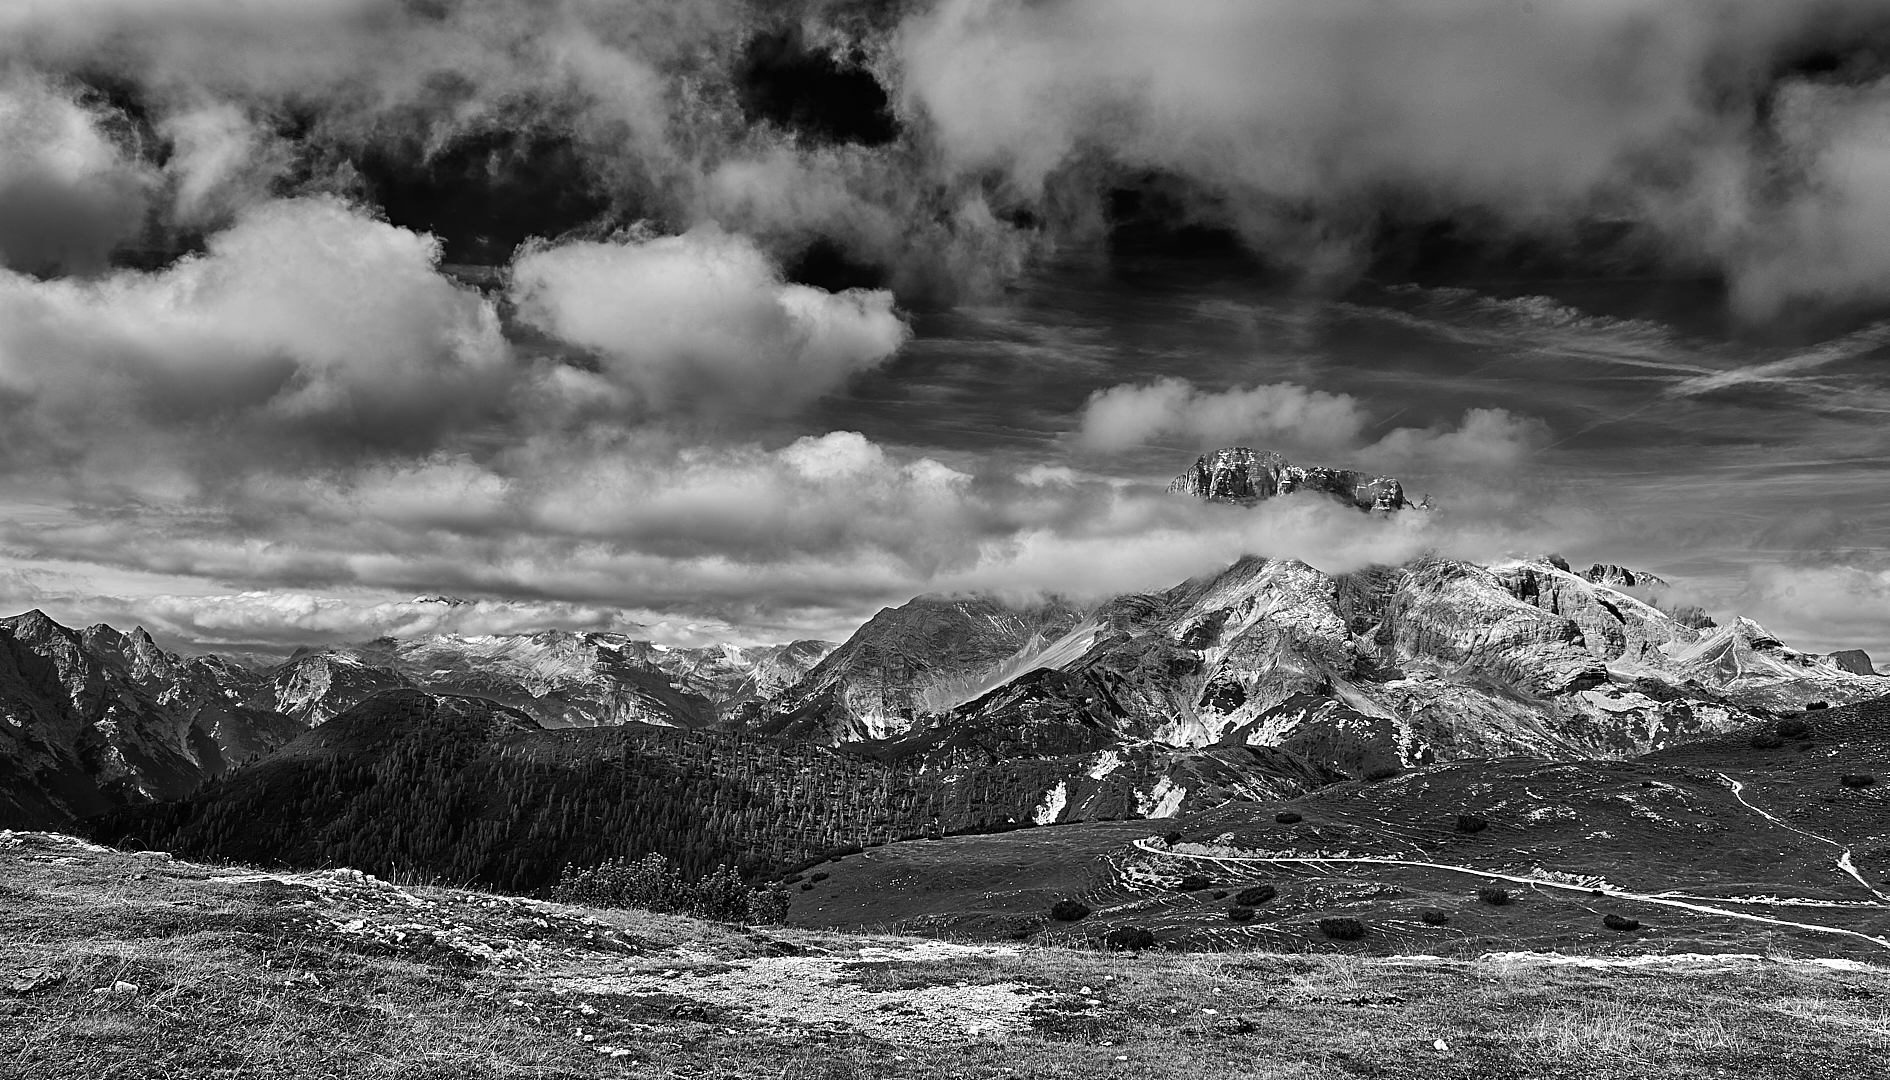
(1243,475)
(91,719)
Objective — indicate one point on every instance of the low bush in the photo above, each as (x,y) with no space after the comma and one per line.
(1255,895)
(1434,917)
(1240,914)
(1219,894)
(1288,817)
(1470,823)
(1762,741)
(1383,772)
(1793,729)
(807,886)
(1069,911)
(793,879)
(1342,928)
(1810,705)
(1857,780)
(1129,939)
(654,884)
(1192,883)
(1494,895)
(822,876)
(1620,922)
(1171,839)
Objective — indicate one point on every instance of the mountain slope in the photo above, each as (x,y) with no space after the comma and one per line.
(923,657)
(93,719)
(1391,667)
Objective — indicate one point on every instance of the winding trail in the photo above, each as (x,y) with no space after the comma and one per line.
(1844,853)
(1148,845)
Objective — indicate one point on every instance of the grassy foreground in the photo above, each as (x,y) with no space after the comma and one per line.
(116,965)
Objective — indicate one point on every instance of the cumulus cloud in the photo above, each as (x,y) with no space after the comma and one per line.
(1288,417)
(1485,437)
(1132,415)
(306,316)
(704,317)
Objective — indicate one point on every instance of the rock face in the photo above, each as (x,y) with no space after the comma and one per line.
(1855,661)
(91,719)
(921,658)
(1242,475)
(1363,674)
(559,678)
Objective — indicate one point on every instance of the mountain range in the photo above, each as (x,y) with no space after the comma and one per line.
(1265,681)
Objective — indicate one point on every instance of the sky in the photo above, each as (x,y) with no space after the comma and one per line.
(733,321)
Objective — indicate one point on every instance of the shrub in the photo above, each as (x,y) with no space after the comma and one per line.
(1470,823)
(1023,929)
(1219,894)
(1171,839)
(1383,772)
(1762,741)
(1238,913)
(807,886)
(654,884)
(1288,817)
(1620,922)
(792,879)
(1342,928)
(1793,729)
(1192,883)
(822,876)
(1434,917)
(1255,895)
(1809,705)
(1494,895)
(1129,939)
(1069,911)
(1857,780)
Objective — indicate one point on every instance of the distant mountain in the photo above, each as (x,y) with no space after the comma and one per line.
(1368,673)
(91,719)
(560,678)
(919,659)
(1243,475)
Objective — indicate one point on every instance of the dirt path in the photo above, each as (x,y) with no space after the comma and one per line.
(1844,853)
(1149,845)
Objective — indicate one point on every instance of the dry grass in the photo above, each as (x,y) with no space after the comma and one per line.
(230,986)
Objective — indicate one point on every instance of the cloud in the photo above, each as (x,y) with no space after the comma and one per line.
(70,191)
(1131,415)
(305,319)
(703,318)
(1286,416)
(1825,608)
(1485,437)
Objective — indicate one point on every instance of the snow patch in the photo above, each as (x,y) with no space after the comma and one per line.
(1106,762)
(1054,801)
(1164,800)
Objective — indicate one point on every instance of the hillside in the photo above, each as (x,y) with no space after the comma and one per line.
(467,790)
(1742,843)
(140,965)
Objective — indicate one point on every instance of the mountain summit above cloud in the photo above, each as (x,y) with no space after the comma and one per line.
(1242,475)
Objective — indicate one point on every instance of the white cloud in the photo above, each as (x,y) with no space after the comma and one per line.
(1824,608)
(1485,437)
(305,316)
(704,319)
(1132,415)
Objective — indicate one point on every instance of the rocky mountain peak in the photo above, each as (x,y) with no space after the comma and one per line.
(1243,475)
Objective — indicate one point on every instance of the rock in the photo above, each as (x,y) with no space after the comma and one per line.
(1243,475)
(1855,661)
(122,988)
(32,980)
(1608,574)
